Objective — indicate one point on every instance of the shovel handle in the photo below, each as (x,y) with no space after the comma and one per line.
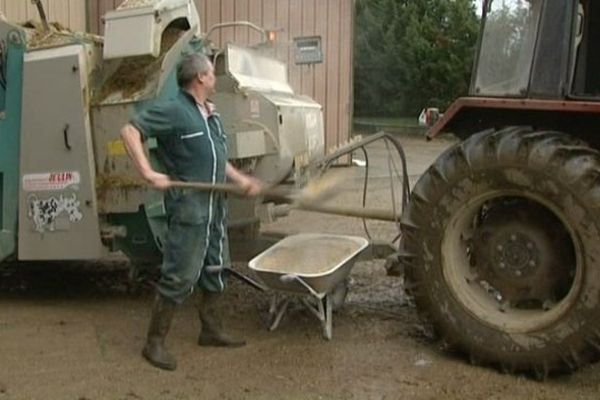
(273,193)
(207,187)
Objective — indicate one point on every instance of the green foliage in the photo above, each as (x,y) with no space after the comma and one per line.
(412,54)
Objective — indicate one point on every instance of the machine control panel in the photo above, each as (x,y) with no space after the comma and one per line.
(308,50)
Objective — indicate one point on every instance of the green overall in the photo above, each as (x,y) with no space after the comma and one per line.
(193,149)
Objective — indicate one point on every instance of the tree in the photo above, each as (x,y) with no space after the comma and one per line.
(411,54)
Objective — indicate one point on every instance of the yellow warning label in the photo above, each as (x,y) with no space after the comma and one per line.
(116,148)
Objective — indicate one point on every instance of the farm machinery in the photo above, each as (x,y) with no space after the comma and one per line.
(67,188)
(501,237)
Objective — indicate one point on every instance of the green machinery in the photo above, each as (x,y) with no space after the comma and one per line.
(67,187)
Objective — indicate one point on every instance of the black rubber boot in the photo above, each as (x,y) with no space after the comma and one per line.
(212,333)
(160,323)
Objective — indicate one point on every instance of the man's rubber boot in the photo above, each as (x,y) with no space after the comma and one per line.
(160,323)
(211,333)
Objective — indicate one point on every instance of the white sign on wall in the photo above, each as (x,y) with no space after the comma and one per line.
(50,181)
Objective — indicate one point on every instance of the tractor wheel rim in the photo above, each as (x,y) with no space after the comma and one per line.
(518,256)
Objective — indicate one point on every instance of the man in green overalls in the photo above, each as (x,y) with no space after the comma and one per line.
(193,148)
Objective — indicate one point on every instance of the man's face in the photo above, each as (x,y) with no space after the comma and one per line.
(208,80)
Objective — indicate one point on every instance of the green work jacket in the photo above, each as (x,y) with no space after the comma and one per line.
(191,148)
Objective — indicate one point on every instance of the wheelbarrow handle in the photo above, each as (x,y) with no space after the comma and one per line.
(238,275)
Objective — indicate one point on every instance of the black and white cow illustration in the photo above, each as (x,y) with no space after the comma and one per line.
(44,212)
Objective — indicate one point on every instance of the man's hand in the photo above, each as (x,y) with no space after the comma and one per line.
(251,186)
(157,180)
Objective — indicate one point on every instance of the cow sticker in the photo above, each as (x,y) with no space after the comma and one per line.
(44,212)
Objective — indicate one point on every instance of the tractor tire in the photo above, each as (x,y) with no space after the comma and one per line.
(502,235)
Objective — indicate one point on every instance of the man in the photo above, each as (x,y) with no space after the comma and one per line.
(192,146)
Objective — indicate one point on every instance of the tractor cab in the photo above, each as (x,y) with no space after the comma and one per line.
(584,78)
(506,48)
(535,65)
(538,49)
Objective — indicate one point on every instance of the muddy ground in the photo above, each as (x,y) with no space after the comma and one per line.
(75,331)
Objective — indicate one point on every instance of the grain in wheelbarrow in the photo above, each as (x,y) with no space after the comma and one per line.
(315,256)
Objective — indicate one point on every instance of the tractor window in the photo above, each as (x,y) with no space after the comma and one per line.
(586,79)
(506,48)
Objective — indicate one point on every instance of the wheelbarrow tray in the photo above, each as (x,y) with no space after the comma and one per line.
(320,260)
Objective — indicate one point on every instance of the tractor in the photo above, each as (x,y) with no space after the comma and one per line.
(501,237)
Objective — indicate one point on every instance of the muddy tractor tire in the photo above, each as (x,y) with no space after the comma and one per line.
(503,238)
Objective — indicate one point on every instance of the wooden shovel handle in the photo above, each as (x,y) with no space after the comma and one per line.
(229,188)
(207,187)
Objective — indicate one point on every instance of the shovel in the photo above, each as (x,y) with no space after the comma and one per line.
(310,198)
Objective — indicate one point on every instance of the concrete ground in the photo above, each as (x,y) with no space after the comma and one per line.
(75,331)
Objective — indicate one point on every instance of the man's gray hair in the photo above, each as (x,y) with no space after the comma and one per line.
(190,66)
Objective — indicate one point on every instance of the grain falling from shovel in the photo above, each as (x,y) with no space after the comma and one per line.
(319,190)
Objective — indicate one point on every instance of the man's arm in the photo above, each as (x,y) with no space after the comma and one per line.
(135,149)
(250,185)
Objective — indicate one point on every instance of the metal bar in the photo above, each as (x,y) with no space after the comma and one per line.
(325,162)
(247,280)
(369,213)
(234,24)
(349,148)
(508,104)
(40,8)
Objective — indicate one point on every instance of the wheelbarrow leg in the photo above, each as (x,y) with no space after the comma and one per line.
(317,310)
(324,314)
(279,315)
(273,305)
(327,323)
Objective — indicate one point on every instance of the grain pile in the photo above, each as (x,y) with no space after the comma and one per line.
(311,256)
(134,73)
(58,35)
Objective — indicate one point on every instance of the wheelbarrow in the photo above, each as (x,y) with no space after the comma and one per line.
(313,267)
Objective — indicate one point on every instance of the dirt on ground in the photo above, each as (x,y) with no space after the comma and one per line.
(75,330)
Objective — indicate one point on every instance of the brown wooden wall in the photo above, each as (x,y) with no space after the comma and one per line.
(96,10)
(70,13)
(329,83)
